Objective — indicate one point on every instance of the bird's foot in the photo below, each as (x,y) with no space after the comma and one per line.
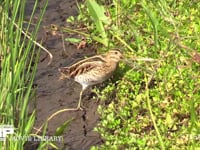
(79,107)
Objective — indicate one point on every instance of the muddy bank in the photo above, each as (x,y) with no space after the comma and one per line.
(52,94)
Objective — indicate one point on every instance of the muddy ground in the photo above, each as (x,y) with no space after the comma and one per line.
(54,95)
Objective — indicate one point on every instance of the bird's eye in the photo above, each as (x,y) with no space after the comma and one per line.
(116,53)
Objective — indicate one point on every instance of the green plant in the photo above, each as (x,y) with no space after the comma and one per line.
(152,104)
(18,60)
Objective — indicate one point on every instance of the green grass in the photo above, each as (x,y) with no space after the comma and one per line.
(150,104)
(18,63)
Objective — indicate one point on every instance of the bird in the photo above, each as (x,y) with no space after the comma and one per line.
(92,70)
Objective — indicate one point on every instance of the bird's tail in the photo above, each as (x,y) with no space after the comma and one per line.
(64,72)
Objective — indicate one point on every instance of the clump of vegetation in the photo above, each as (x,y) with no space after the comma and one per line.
(18,63)
(153,103)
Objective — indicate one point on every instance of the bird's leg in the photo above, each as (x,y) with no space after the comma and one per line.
(84,86)
(79,102)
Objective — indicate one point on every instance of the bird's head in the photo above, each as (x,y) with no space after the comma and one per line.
(114,55)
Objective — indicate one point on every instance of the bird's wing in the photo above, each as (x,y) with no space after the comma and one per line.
(84,68)
(81,66)
(90,59)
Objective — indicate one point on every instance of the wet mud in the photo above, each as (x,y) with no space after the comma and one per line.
(53,94)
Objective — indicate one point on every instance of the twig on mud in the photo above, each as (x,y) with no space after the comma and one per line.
(63,43)
(52,116)
(36,43)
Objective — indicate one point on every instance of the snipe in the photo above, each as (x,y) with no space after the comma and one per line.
(92,70)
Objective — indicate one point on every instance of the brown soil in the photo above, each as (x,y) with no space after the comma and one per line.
(54,95)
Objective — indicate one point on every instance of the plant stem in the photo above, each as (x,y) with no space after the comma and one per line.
(151,114)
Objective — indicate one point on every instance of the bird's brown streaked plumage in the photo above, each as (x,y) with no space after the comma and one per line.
(92,70)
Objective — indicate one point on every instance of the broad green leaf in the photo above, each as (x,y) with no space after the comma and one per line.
(73,40)
(97,12)
(60,130)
